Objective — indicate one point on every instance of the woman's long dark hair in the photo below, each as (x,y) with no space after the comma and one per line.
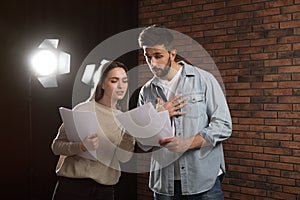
(107,67)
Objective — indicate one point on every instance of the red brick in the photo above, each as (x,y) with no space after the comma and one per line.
(234,154)
(289,115)
(278,122)
(238,99)
(264,85)
(290,145)
(281,195)
(266,171)
(264,114)
(266,157)
(278,136)
(252,7)
(250,148)
(289,39)
(279,3)
(251,121)
(290,9)
(191,8)
(254,163)
(253,191)
(226,52)
(232,188)
(283,166)
(277,151)
(264,129)
(263,56)
(249,135)
(263,42)
(289,84)
(297,45)
(225,24)
(242,196)
(277,92)
(264,99)
(250,92)
(278,47)
(211,6)
(254,177)
(288,99)
(278,107)
(296,107)
(290,159)
(180,4)
(239,168)
(210,33)
(290,24)
(291,190)
(267,12)
(250,50)
(278,62)
(224,38)
(277,18)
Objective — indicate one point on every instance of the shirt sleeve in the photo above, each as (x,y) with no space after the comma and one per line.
(220,125)
(62,146)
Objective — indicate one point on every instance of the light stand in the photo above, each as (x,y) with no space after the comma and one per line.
(47,62)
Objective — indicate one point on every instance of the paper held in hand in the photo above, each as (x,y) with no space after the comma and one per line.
(146,124)
(78,125)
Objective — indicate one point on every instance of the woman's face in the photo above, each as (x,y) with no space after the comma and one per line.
(115,84)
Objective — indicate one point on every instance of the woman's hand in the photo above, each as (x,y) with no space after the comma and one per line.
(91,142)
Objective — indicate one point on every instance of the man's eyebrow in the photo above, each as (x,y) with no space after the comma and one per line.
(155,53)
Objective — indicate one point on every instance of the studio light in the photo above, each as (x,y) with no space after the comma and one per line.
(88,74)
(48,62)
(91,75)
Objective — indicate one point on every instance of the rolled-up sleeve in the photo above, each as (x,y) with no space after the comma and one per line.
(220,125)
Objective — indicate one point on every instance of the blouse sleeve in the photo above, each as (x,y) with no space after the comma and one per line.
(62,146)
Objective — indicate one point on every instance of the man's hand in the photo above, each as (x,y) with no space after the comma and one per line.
(91,142)
(181,145)
(173,105)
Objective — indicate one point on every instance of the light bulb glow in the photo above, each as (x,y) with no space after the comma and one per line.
(44,62)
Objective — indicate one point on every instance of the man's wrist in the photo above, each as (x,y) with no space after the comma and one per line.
(196,141)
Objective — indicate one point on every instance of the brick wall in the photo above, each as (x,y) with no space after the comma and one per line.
(256,47)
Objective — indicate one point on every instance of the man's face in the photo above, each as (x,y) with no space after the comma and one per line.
(158,59)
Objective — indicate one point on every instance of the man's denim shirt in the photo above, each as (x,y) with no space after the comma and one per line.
(207,114)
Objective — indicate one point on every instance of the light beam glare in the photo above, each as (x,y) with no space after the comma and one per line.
(44,62)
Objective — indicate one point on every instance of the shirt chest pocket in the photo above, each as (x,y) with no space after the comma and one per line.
(196,105)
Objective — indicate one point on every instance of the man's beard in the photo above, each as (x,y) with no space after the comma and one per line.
(164,71)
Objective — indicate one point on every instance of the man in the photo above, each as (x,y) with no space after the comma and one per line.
(200,118)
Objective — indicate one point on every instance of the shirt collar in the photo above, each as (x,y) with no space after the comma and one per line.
(187,70)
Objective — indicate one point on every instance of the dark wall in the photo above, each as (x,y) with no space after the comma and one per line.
(27,163)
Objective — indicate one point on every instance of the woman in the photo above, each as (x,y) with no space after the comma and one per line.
(81,178)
